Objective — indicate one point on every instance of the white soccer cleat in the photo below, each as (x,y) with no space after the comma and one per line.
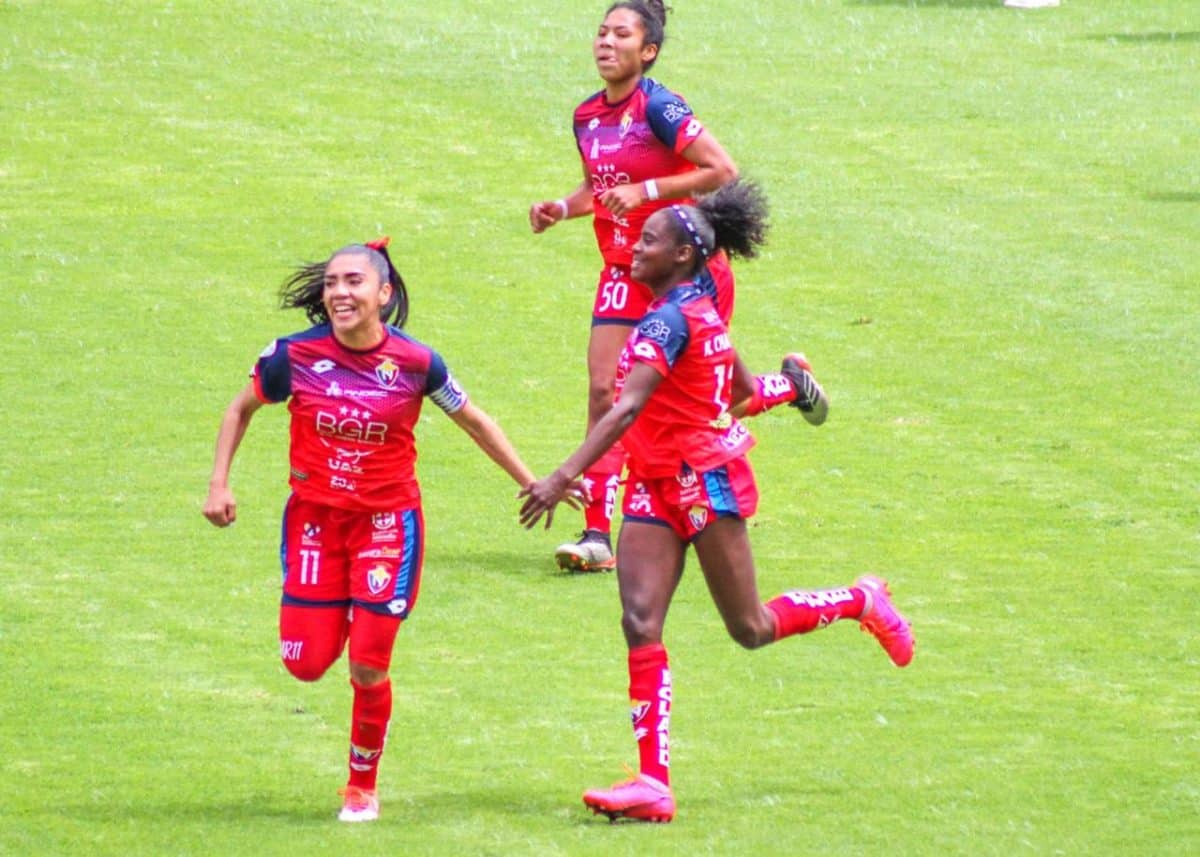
(358,804)
(593,552)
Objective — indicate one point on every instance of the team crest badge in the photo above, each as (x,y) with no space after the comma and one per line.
(383,520)
(362,758)
(637,710)
(698,516)
(387,372)
(378,578)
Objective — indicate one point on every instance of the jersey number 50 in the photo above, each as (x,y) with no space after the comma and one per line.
(613,295)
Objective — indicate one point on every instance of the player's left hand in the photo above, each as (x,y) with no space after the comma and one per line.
(623,198)
(542,496)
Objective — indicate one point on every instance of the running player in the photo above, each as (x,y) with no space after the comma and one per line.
(353,532)
(642,149)
(690,483)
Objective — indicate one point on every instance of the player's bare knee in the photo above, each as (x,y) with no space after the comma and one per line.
(601,392)
(749,634)
(365,676)
(641,628)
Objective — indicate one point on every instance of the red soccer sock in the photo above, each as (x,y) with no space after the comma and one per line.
(650,707)
(770,391)
(368,730)
(602,485)
(798,612)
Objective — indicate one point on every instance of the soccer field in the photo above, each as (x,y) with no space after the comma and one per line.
(986,236)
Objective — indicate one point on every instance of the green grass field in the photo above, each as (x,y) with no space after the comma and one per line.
(985,237)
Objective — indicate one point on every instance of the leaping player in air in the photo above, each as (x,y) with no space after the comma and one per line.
(691,484)
(642,149)
(353,532)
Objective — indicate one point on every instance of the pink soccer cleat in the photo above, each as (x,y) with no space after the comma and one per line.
(884,621)
(358,804)
(639,799)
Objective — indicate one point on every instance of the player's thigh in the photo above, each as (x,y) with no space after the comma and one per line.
(723,551)
(388,550)
(649,565)
(311,637)
(314,553)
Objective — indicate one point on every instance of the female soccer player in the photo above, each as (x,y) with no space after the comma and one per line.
(642,148)
(353,532)
(690,483)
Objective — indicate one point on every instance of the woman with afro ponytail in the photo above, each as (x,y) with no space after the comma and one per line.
(690,482)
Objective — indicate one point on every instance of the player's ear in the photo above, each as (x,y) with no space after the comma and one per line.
(649,54)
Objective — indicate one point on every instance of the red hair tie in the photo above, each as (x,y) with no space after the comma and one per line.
(379,244)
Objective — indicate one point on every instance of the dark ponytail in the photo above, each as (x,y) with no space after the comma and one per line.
(732,218)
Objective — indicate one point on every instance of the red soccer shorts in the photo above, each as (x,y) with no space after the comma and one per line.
(338,557)
(620,299)
(688,501)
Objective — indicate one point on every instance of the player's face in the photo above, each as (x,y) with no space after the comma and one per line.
(353,297)
(658,258)
(618,49)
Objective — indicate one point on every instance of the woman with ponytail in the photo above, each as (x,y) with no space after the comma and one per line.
(691,484)
(353,532)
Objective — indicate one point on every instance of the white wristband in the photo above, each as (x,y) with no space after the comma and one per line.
(650,186)
(562,207)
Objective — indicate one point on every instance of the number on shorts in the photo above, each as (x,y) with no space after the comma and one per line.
(613,295)
(310,565)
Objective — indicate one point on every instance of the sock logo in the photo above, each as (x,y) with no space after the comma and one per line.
(663,729)
(822,598)
(362,758)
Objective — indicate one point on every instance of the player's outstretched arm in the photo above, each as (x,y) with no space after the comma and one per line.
(542,496)
(492,440)
(221,508)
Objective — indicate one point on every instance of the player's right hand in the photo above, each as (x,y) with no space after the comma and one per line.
(220,508)
(543,215)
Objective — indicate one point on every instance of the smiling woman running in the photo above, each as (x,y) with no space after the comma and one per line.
(353,532)
(691,484)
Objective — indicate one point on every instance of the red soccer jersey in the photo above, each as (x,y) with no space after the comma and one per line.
(639,138)
(687,418)
(353,414)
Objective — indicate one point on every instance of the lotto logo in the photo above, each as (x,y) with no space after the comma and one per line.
(644,350)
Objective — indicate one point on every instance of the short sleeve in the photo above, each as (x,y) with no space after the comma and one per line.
(661,338)
(672,119)
(441,387)
(272,374)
